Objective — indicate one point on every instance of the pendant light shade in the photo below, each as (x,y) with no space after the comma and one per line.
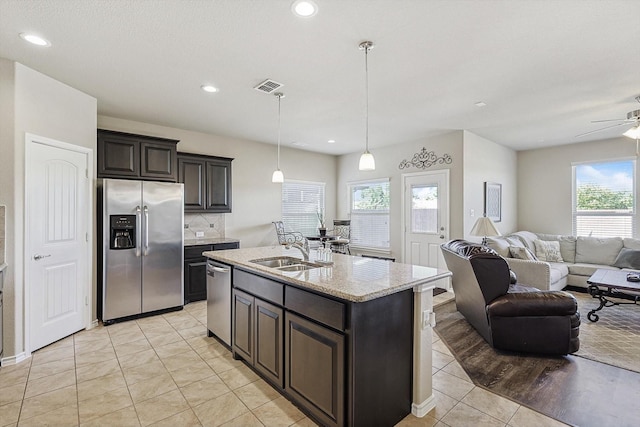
(367,162)
(278,176)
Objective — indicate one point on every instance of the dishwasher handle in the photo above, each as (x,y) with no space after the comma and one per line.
(211,268)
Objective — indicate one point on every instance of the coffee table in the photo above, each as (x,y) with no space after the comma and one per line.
(604,284)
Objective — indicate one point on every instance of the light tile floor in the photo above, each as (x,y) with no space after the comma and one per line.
(164,371)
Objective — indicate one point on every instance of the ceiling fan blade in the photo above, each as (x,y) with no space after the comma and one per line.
(601,129)
(611,120)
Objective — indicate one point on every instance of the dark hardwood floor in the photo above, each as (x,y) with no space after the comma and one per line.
(572,389)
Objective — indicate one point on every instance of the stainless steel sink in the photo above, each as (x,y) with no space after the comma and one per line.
(298,267)
(285,263)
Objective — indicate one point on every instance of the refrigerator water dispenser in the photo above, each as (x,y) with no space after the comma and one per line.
(123,232)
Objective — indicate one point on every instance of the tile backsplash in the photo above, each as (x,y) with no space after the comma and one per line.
(2,236)
(212,225)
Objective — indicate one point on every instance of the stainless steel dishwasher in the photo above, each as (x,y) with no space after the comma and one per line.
(219,301)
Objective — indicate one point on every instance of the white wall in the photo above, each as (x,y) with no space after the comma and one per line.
(256,200)
(42,106)
(387,161)
(545,181)
(486,161)
(12,332)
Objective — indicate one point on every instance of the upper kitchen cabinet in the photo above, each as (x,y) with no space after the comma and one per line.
(125,155)
(207,182)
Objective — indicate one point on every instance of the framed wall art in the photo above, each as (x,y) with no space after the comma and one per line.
(493,201)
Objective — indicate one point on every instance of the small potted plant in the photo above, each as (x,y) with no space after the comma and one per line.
(322,230)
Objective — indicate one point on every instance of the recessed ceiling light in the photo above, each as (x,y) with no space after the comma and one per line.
(304,8)
(299,144)
(209,88)
(33,39)
(480,104)
(331,141)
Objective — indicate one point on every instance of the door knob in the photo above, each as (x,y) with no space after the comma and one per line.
(442,236)
(39,257)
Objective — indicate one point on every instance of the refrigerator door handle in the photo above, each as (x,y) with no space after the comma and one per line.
(146,231)
(138,224)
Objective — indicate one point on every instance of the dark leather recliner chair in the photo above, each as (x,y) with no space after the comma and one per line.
(510,316)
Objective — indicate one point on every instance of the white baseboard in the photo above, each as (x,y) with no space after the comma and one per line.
(14,360)
(422,409)
(94,324)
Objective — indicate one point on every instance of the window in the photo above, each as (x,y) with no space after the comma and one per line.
(301,202)
(604,199)
(369,208)
(424,208)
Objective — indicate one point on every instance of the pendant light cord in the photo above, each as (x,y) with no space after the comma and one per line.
(366,85)
(279,97)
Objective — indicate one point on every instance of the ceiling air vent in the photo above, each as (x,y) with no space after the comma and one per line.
(268,86)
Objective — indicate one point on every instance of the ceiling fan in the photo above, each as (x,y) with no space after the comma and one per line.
(633,119)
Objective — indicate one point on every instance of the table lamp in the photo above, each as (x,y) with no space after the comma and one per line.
(484,227)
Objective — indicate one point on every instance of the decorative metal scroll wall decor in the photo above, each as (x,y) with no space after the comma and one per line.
(425,159)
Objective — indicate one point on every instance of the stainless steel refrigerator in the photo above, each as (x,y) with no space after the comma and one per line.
(142,247)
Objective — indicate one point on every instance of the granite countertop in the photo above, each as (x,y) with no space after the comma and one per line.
(209,241)
(351,278)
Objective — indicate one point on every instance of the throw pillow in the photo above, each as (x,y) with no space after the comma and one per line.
(548,250)
(628,258)
(522,253)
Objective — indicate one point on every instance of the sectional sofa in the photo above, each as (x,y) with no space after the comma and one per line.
(562,260)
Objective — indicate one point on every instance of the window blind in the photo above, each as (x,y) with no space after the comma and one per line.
(301,202)
(369,213)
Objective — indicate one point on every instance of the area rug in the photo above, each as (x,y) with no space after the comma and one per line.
(575,390)
(615,338)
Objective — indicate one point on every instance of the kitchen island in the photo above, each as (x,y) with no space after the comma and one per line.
(349,343)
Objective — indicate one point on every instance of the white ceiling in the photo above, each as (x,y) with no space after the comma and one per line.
(545,68)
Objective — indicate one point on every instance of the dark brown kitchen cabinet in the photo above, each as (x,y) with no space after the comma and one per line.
(268,341)
(345,363)
(130,156)
(195,269)
(195,280)
(258,325)
(207,182)
(315,368)
(257,335)
(191,172)
(242,329)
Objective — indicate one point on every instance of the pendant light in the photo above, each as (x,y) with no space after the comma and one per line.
(278,176)
(367,162)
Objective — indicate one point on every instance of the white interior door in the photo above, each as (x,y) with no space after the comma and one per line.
(426,217)
(57,259)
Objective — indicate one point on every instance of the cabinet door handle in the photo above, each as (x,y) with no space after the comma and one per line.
(39,257)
